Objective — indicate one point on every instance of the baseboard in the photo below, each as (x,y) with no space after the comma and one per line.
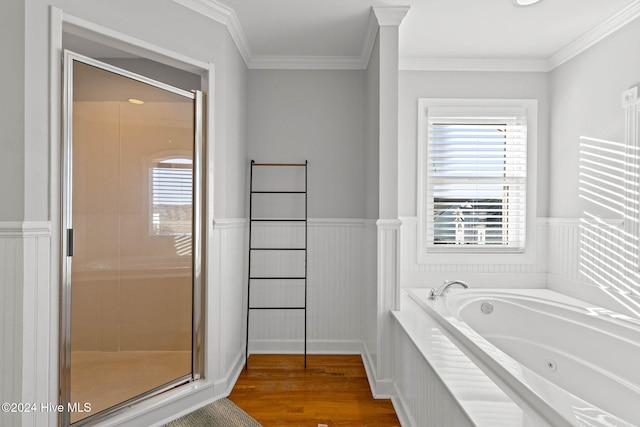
(224,387)
(402,408)
(297,347)
(380,389)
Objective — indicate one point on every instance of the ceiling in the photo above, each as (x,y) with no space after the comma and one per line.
(282,30)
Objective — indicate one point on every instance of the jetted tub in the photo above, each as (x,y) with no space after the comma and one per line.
(572,363)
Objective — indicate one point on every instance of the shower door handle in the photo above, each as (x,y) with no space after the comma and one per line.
(69,241)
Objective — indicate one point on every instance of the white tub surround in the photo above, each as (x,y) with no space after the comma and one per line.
(436,384)
(555,371)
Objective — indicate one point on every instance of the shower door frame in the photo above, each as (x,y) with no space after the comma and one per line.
(66,239)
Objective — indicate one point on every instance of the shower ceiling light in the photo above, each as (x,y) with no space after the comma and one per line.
(521,3)
(136,101)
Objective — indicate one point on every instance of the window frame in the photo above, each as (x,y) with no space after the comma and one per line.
(428,252)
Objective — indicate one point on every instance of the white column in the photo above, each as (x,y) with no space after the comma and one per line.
(388,224)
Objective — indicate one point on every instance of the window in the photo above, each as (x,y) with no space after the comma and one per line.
(474,171)
(171,197)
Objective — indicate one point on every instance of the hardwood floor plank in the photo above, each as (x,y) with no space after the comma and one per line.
(277,390)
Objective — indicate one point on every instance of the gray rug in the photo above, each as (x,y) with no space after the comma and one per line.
(221,413)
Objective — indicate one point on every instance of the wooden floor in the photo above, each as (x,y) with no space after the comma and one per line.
(276,390)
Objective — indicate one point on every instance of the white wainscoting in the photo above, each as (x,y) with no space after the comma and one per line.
(336,278)
(369,302)
(25,319)
(226,306)
(564,248)
(529,273)
(588,259)
(388,298)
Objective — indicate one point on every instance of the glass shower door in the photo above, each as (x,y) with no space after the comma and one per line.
(129,193)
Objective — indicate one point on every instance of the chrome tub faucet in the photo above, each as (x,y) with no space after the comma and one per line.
(444,288)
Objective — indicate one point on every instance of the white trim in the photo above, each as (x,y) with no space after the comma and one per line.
(370,39)
(97,33)
(473,64)
(333,222)
(317,222)
(226,16)
(390,15)
(229,223)
(394,16)
(224,386)
(25,228)
(613,222)
(297,347)
(527,256)
(388,224)
(605,29)
(287,62)
(380,389)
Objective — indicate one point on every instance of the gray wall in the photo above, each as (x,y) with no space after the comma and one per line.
(587,101)
(318,116)
(12,40)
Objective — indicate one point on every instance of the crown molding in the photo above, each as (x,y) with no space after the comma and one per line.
(473,64)
(226,16)
(608,27)
(380,16)
(391,15)
(370,38)
(299,62)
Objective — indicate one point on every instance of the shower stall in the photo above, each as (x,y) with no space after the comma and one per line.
(131,306)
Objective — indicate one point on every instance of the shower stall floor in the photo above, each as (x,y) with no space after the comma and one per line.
(104,379)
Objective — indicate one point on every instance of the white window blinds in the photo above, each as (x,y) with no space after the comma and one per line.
(476,177)
(171,197)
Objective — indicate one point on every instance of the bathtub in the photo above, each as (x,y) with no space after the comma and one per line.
(569,362)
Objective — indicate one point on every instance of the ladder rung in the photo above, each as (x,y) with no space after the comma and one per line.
(278,192)
(277,278)
(278,164)
(278,249)
(277,308)
(277,220)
